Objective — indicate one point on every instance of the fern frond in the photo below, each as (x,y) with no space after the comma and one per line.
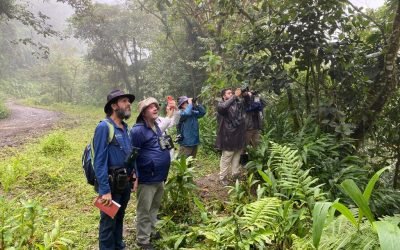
(292,180)
(259,214)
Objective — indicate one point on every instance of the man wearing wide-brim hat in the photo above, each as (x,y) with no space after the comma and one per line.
(152,166)
(111,146)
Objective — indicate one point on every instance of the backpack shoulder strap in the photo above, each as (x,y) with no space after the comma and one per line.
(111,134)
(111,131)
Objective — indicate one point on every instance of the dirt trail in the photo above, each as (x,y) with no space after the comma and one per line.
(211,188)
(25,122)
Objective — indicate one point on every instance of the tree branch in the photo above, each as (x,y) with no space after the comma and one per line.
(380,27)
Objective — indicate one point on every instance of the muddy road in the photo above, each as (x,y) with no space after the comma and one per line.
(25,123)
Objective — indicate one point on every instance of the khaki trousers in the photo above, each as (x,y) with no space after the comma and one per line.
(149,198)
(229,163)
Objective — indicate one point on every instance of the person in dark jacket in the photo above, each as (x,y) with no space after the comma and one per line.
(253,106)
(188,125)
(109,160)
(230,133)
(152,166)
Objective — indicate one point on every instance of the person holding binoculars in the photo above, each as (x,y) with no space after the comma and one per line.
(188,127)
(230,133)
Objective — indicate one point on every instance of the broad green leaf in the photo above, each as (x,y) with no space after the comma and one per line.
(371,183)
(389,235)
(265,177)
(179,241)
(352,190)
(368,189)
(345,212)
(320,212)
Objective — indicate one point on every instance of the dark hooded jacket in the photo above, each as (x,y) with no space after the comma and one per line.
(254,116)
(231,125)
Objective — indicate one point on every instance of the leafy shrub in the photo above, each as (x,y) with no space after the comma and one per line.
(21,227)
(208,132)
(180,189)
(55,144)
(11,171)
(252,230)
(350,231)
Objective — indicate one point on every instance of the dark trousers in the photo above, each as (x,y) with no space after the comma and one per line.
(110,230)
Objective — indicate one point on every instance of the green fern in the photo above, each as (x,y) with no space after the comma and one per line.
(260,214)
(292,181)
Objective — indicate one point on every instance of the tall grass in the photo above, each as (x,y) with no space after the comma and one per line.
(49,172)
(4,112)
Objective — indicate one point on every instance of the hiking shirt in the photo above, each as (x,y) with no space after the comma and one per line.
(109,155)
(230,125)
(189,125)
(152,163)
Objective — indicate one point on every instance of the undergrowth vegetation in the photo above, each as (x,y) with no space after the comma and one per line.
(304,190)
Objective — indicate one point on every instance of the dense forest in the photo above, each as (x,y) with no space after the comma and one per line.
(327,172)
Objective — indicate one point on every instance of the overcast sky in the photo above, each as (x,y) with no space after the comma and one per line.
(368,3)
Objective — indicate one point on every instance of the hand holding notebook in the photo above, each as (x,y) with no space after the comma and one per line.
(110,210)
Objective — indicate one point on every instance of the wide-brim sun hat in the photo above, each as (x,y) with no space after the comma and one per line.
(182,100)
(116,94)
(142,105)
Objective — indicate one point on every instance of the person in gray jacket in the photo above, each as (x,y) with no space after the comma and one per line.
(230,133)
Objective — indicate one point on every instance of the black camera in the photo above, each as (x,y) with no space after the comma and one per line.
(132,156)
(166,142)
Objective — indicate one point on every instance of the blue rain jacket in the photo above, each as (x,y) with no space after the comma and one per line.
(189,125)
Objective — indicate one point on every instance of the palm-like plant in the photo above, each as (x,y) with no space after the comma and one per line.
(362,234)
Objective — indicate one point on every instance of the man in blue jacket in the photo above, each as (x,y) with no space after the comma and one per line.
(188,126)
(109,166)
(152,165)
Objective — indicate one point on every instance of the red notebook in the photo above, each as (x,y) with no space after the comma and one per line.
(109,210)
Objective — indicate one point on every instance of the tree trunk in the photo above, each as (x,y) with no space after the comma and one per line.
(396,177)
(292,109)
(122,66)
(387,82)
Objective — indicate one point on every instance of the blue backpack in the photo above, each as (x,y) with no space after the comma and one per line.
(88,156)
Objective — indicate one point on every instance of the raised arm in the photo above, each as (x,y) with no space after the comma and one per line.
(223,107)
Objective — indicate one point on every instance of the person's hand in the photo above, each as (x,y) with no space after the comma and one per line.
(238,92)
(106,199)
(172,104)
(170,112)
(135,185)
(190,100)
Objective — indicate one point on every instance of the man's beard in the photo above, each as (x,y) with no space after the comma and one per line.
(122,114)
